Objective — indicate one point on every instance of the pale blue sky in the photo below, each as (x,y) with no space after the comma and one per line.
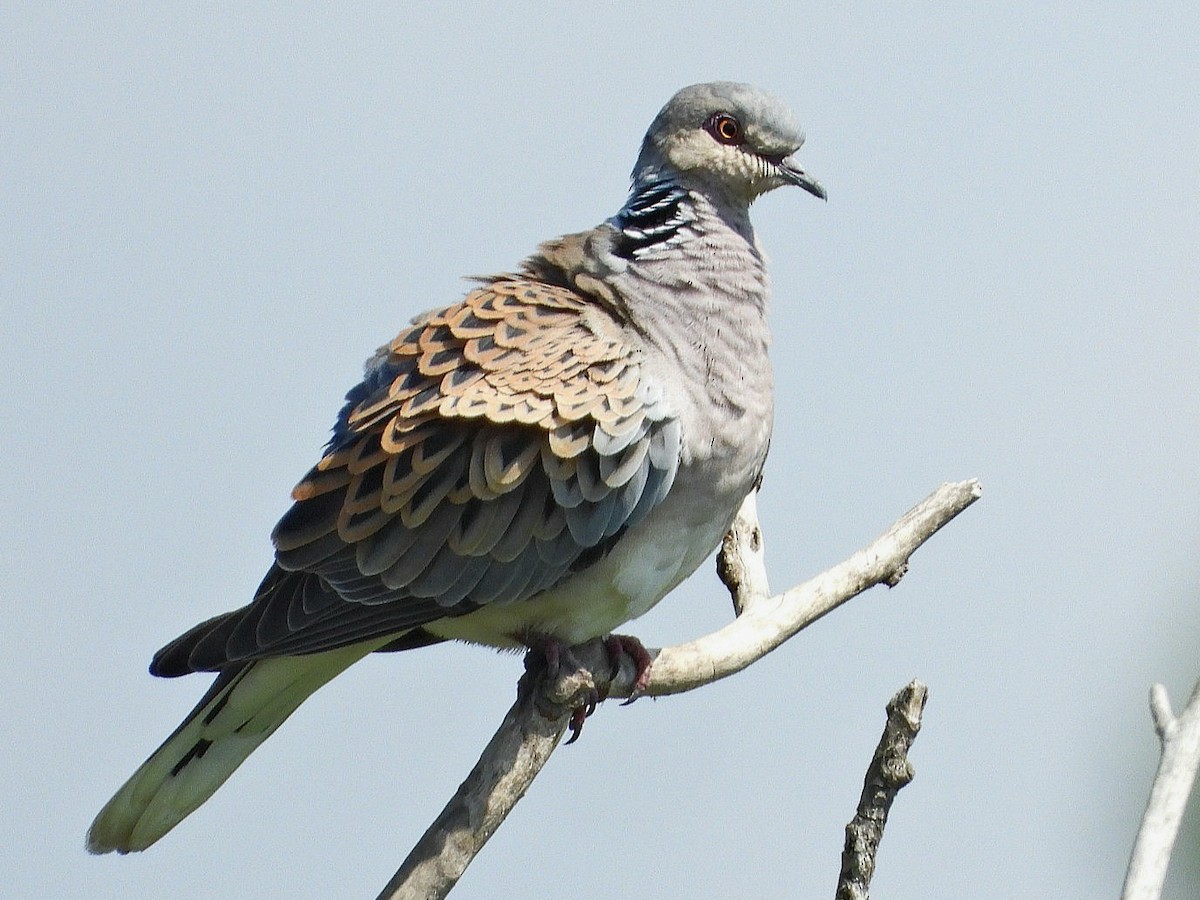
(211,216)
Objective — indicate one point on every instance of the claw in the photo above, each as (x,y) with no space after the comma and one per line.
(618,644)
(554,656)
(578,716)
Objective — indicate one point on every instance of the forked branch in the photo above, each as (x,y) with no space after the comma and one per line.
(1180,738)
(535,724)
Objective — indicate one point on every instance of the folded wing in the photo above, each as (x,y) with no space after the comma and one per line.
(492,449)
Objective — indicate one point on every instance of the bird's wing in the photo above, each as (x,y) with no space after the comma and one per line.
(492,449)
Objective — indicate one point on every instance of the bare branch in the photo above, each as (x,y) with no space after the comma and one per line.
(889,771)
(536,722)
(767,622)
(1180,738)
(742,562)
(515,754)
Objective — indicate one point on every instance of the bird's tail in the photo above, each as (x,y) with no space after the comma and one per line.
(240,711)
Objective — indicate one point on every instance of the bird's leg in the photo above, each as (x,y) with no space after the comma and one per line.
(557,662)
(551,661)
(627,644)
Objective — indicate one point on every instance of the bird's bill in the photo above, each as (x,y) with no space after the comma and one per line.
(793,174)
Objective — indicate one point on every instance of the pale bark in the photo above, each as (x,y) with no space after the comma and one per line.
(1180,739)
(535,724)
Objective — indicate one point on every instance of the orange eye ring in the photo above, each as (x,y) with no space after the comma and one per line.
(726,129)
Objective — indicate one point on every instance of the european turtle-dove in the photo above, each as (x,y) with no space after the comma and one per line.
(538,463)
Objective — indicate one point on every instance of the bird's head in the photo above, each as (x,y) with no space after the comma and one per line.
(725,139)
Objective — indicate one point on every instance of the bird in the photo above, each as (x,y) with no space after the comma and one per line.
(530,467)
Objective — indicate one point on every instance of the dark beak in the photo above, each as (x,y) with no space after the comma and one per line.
(793,174)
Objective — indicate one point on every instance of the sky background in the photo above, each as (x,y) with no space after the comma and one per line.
(211,214)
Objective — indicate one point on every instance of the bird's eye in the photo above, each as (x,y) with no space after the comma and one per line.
(725,128)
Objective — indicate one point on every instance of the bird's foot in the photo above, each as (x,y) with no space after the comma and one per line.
(554,670)
(619,645)
(551,662)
